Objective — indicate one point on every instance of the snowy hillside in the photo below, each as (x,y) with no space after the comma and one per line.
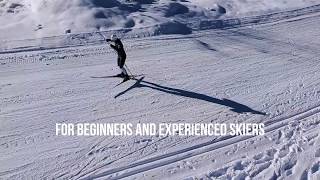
(23,19)
(261,69)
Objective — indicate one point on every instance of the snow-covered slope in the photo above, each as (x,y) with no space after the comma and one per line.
(22,19)
(267,73)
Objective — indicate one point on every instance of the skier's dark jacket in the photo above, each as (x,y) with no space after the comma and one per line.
(118,47)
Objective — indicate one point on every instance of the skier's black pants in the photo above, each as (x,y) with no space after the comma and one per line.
(121,61)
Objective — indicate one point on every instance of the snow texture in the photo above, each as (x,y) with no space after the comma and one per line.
(23,19)
(253,69)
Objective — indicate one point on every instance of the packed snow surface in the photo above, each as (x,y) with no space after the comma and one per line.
(255,73)
(21,19)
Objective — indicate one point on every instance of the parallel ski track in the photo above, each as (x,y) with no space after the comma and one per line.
(62,55)
(217,143)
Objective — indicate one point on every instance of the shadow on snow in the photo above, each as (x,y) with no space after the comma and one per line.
(235,107)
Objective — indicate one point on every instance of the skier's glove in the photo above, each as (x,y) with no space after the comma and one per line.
(108,40)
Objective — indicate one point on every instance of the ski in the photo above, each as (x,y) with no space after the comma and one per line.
(118,76)
(133,77)
(136,84)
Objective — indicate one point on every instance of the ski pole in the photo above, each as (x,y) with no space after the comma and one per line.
(128,70)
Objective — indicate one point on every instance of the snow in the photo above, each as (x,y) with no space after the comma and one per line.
(257,69)
(23,19)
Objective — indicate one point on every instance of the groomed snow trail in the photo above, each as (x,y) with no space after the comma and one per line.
(267,73)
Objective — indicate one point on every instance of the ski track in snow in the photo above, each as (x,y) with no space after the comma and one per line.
(231,75)
(217,143)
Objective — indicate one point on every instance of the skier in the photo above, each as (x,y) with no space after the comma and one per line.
(118,47)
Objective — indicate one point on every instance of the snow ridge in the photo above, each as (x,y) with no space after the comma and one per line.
(173,27)
(40,18)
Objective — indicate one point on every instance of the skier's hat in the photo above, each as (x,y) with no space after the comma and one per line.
(114,37)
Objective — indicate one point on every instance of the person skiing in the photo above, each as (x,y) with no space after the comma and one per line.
(118,47)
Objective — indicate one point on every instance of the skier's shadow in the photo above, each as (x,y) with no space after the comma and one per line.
(235,107)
